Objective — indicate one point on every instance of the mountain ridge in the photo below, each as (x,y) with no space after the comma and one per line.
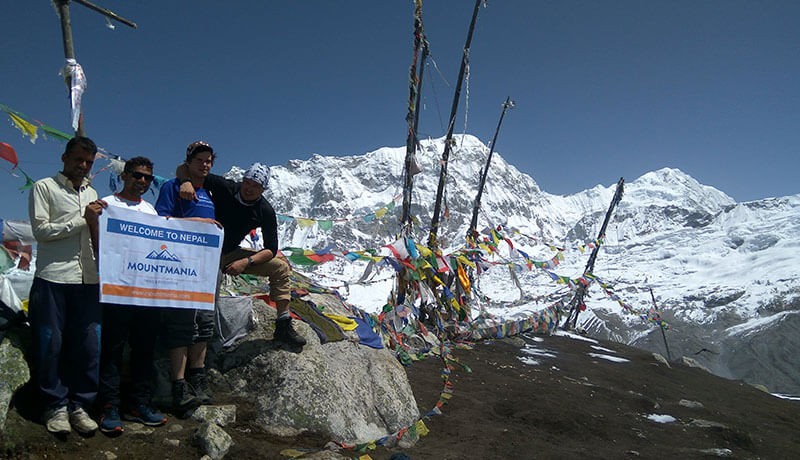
(712,263)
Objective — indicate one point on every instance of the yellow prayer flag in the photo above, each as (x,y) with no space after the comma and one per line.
(422,430)
(304,223)
(381,212)
(26,127)
(423,250)
(463,260)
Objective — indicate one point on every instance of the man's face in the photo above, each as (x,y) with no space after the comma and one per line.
(200,164)
(137,182)
(77,163)
(251,190)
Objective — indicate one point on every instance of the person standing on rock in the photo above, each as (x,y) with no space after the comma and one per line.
(240,208)
(186,332)
(64,307)
(136,326)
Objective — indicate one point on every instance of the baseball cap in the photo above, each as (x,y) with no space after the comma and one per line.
(197,147)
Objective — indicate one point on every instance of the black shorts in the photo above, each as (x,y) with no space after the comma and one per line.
(186,326)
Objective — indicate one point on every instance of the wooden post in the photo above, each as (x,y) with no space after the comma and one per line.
(661,325)
(508,104)
(437,207)
(577,300)
(66,36)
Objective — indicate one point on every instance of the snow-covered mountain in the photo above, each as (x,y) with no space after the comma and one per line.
(724,274)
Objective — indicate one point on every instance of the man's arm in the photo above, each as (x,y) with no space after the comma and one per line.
(92,215)
(211,183)
(39,212)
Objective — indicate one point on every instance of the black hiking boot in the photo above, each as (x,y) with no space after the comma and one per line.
(285,334)
(198,380)
(183,398)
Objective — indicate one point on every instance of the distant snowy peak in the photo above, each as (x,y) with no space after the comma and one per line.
(669,186)
(345,187)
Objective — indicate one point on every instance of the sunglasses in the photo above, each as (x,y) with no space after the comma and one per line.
(138,175)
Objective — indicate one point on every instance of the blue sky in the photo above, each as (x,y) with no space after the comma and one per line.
(603,89)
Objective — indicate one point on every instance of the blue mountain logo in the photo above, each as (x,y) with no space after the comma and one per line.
(163,254)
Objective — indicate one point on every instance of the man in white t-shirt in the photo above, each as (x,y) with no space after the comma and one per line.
(137,326)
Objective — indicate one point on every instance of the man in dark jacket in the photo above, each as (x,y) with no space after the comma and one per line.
(240,208)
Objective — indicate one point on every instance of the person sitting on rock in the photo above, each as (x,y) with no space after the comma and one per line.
(240,208)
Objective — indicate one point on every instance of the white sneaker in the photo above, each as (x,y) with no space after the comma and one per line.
(57,421)
(81,421)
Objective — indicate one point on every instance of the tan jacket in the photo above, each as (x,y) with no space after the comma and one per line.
(64,253)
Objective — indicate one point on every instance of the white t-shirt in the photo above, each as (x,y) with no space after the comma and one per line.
(141,205)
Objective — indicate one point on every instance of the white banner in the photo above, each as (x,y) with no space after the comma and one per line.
(151,261)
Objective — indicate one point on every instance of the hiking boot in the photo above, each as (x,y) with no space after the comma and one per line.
(284,332)
(183,399)
(110,422)
(145,415)
(198,379)
(57,421)
(81,421)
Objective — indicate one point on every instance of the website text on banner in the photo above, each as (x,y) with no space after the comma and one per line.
(151,261)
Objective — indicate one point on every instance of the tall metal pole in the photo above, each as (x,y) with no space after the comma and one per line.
(580,293)
(508,104)
(66,37)
(437,208)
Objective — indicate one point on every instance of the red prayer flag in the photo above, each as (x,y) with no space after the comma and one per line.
(8,153)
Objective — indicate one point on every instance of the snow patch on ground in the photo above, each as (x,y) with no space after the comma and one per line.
(615,359)
(659,418)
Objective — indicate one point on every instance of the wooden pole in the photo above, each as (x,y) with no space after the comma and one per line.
(69,50)
(508,104)
(661,325)
(414,97)
(415,91)
(108,13)
(437,207)
(577,300)
(66,37)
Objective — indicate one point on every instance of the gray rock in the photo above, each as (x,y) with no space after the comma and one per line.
(172,442)
(214,441)
(690,404)
(221,415)
(14,372)
(660,358)
(691,362)
(349,392)
(700,423)
(718,452)
(137,429)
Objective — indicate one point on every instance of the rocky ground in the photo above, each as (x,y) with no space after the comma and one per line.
(569,405)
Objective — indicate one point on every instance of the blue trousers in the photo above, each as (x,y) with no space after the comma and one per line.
(138,327)
(65,321)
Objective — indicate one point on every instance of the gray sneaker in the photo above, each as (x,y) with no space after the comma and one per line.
(57,421)
(81,421)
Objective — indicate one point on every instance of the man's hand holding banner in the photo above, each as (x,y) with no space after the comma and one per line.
(152,261)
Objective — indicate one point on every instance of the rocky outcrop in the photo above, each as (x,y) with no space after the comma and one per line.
(14,371)
(349,392)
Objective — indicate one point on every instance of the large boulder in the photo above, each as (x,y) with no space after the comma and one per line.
(341,389)
(14,371)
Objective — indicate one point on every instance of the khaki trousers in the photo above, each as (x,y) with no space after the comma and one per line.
(277,270)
